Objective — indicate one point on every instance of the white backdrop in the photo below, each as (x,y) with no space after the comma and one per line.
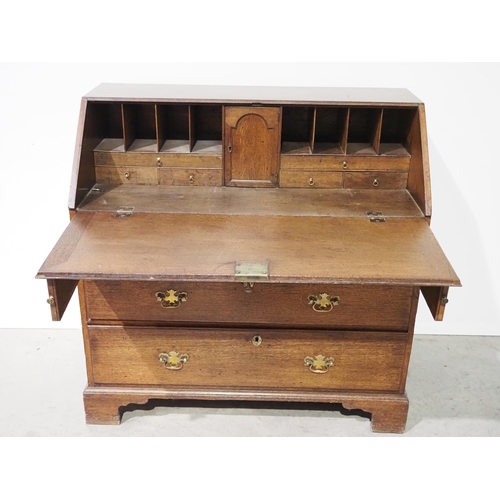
(39,106)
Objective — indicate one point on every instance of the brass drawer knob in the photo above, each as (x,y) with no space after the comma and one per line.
(171,298)
(323,302)
(173,360)
(127,175)
(344,164)
(318,364)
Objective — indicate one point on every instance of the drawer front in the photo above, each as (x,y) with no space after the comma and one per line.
(312,179)
(191,160)
(375,180)
(339,163)
(126,175)
(365,361)
(365,307)
(190,176)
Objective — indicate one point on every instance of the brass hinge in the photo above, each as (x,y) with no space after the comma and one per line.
(124,211)
(251,271)
(376,216)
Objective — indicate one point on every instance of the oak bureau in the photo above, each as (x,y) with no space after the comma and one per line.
(237,243)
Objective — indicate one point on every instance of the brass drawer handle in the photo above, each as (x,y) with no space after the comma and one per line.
(171,298)
(323,302)
(318,364)
(375,182)
(191,179)
(158,161)
(173,360)
(311,182)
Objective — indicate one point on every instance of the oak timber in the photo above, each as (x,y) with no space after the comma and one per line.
(251,201)
(98,245)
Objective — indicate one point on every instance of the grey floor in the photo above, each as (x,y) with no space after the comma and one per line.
(453,386)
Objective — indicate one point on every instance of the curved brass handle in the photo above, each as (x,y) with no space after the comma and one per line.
(318,364)
(158,161)
(323,302)
(173,360)
(311,182)
(191,179)
(375,182)
(171,298)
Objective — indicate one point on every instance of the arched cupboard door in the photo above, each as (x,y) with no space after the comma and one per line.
(252,146)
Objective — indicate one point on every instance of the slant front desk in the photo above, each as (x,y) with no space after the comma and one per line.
(235,243)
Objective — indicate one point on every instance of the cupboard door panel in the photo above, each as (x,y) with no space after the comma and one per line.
(252,139)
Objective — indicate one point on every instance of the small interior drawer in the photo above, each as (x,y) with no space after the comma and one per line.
(375,180)
(365,361)
(371,307)
(345,163)
(312,179)
(190,176)
(126,175)
(123,159)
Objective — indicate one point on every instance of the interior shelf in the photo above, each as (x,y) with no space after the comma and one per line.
(357,131)
(361,149)
(295,148)
(297,130)
(166,128)
(396,127)
(175,146)
(143,146)
(111,145)
(208,147)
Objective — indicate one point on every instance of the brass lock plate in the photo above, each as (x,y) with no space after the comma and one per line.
(251,271)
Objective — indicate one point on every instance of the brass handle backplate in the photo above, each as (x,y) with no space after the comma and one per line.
(318,364)
(173,360)
(323,302)
(171,298)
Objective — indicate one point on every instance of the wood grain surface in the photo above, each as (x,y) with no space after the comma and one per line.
(251,201)
(228,358)
(384,307)
(206,247)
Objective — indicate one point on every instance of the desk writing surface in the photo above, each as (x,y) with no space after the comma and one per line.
(251,201)
(206,247)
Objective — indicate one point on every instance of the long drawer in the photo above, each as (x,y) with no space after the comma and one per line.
(331,162)
(370,307)
(196,357)
(189,160)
